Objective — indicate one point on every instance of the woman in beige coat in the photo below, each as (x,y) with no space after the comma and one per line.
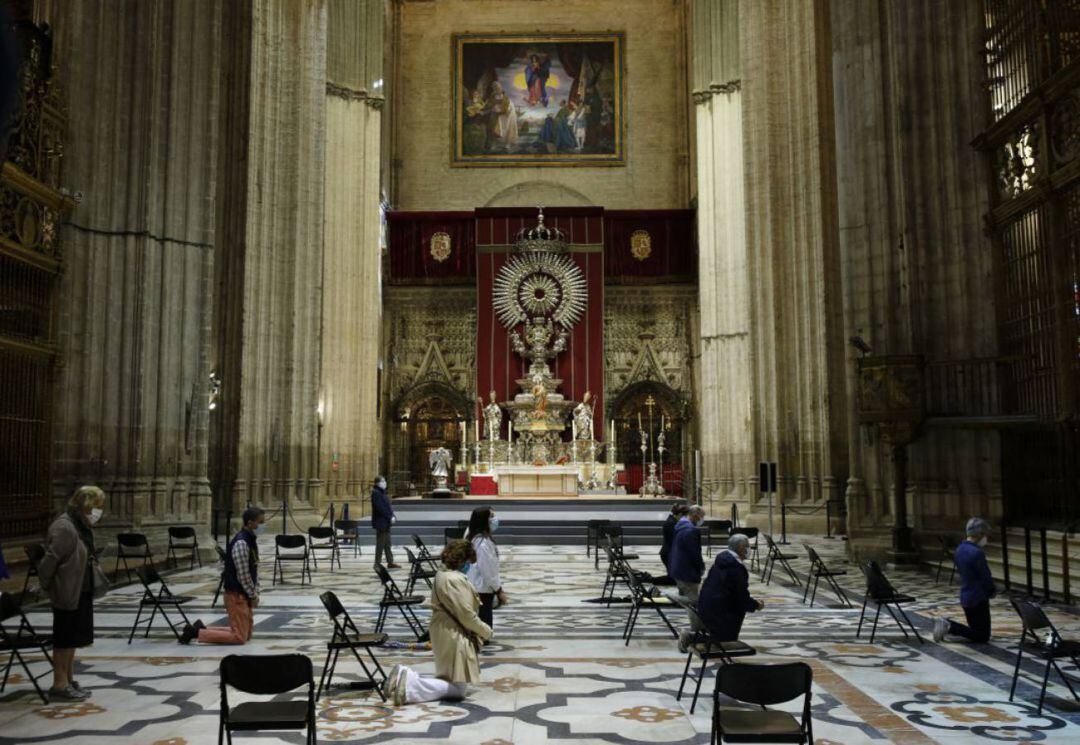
(456,635)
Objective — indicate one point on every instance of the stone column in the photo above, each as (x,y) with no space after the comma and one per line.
(352,293)
(918,277)
(270,280)
(725,398)
(796,354)
(142,94)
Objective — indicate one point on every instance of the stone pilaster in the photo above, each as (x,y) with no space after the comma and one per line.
(725,397)
(917,264)
(142,94)
(796,352)
(352,293)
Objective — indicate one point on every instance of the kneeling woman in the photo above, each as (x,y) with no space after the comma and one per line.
(457,633)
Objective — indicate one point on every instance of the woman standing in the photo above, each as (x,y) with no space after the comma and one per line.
(456,635)
(484,574)
(67,575)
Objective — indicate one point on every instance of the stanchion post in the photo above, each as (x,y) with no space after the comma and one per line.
(1027,560)
(284,516)
(1005,555)
(1045,565)
(828,518)
(783,523)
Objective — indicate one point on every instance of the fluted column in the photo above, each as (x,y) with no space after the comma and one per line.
(796,328)
(352,300)
(143,98)
(918,273)
(725,397)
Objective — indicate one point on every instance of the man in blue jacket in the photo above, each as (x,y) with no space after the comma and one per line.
(976,587)
(725,596)
(686,566)
(382,517)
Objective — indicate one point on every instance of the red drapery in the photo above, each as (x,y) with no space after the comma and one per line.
(672,256)
(673,478)
(409,241)
(581,366)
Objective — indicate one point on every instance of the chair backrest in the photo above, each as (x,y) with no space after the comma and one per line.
(614,531)
(410,555)
(220,552)
(347,526)
(877,584)
(389,585)
(1032,616)
(814,558)
(948,543)
(266,674)
(148,576)
(321,533)
(764,685)
(35,552)
(720,526)
(769,542)
(181,532)
(131,540)
(751,533)
(453,534)
(290,541)
(9,606)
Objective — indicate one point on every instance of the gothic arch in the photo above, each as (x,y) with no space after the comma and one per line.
(547,193)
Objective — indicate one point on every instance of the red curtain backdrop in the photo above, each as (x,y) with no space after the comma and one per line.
(674,247)
(409,244)
(581,366)
(673,478)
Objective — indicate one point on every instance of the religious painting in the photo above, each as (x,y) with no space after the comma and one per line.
(538,99)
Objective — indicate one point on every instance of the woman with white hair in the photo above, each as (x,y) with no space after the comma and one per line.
(67,575)
(976,587)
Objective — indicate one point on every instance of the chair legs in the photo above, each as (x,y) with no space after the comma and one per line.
(26,667)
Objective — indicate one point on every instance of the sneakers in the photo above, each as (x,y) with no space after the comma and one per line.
(941,628)
(69,693)
(393,565)
(191,631)
(391,680)
(399,674)
(80,689)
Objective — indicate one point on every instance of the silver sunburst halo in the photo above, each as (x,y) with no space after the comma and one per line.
(516,287)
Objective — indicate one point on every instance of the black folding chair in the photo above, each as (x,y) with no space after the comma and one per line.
(706,649)
(21,643)
(348,637)
(350,534)
(183,538)
(643,597)
(881,592)
(948,553)
(418,569)
(603,528)
(159,601)
(1036,622)
(752,534)
(819,571)
(290,544)
(267,675)
(453,534)
(393,597)
(221,581)
(323,539)
(713,527)
(132,546)
(763,685)
(616,571)
(422,553)
(776,556)
(35,552)
(592,537)
(615,535)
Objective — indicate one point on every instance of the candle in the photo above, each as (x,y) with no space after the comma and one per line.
(573,431)
(612,433)
(476,428)
(510,432)
(639,420)
(464,432)
(661,422)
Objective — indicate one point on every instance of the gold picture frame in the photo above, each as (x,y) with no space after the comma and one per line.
(538,100)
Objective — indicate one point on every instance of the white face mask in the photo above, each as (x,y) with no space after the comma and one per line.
(983,541)
(95,515)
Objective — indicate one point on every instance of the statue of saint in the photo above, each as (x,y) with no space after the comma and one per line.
(583,417)
(439,462)
(492,419)
(540,397)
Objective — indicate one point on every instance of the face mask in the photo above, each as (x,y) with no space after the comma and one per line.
(260,528)
(983,541)
(465,567)
(95,515)
(381,484)
(494,524)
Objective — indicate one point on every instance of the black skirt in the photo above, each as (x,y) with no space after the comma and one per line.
(75,628)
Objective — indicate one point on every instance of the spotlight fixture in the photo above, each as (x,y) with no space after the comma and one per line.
(857,342)
(215,391)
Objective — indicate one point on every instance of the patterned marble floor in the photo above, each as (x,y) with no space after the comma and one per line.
(558,671)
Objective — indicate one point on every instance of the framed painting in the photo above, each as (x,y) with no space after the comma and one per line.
(538,99)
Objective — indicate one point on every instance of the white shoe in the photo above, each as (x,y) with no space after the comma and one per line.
(941,628)
(391,679)
(399,686)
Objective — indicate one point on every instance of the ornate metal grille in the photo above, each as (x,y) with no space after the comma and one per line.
(25,398)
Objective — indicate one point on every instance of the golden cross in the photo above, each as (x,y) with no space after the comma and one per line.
(650,402)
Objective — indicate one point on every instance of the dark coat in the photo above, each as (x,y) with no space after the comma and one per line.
(381,511)
(669,535)
(976,582)
(684,562)
(725,597)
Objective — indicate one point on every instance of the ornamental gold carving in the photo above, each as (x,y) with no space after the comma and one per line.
(440,246)
(641,244)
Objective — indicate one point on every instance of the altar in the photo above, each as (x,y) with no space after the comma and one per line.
(537,481)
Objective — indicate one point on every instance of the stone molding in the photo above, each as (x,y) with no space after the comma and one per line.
(354,94)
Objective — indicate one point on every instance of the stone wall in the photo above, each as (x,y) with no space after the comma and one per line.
(656,174)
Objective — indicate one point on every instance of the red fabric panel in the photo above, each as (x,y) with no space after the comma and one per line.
(409,243)
(581,366)
(483,486)
(673,478)
(674,246)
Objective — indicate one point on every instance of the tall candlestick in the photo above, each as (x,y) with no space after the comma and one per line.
(510,432)
(639,420)
(573,431)
(476,429)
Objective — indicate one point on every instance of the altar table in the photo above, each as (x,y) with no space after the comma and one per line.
(537,481)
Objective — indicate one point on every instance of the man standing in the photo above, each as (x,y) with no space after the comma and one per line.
(976,587)
(725,596)
(686,566)
(382,517)
(241,585)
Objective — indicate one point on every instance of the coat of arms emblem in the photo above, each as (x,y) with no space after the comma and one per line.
(440,246)
(640,245)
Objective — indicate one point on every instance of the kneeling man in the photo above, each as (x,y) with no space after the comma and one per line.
(725,595)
